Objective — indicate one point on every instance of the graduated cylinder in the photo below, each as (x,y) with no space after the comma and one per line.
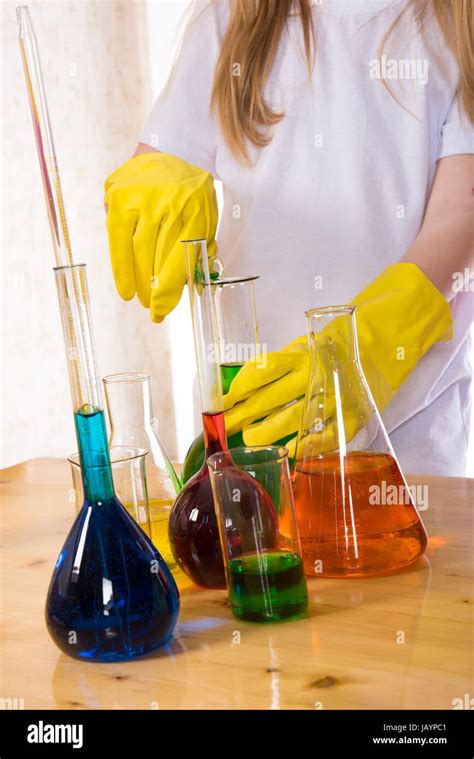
(73,295)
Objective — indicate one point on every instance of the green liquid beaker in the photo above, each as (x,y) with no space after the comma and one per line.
(262,552)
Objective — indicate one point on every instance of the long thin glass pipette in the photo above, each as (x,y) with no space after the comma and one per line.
(44,138)
(75,318)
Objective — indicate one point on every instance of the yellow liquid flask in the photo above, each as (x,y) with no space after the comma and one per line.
(130,411)
(132,423)
(355,513)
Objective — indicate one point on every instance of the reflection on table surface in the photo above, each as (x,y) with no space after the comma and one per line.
(402,641)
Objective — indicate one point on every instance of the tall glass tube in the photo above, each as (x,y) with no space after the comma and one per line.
(54,197)
(44,137)
(237,341)
(205,325)
(73,295)
(237,327)
(192,529)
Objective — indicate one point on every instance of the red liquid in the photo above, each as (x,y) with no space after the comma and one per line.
(344,531)
(213,428)
(193,530)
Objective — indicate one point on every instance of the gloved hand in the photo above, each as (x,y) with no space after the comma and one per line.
(268,388)
(400,308)
(155,201)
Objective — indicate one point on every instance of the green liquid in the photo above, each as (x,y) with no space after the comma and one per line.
(228,373)
(267,587)
(194,458)
(195,455)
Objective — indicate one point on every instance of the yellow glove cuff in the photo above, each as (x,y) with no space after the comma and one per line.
(399,316)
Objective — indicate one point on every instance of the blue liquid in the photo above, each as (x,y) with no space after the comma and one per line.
(111,596)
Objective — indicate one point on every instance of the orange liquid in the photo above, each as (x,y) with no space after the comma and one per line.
(344,531)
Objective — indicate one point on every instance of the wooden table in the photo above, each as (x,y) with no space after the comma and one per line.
(403,641)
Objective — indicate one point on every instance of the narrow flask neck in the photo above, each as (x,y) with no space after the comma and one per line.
(215,439)
(130,411)
(94,455)
(337,405)
(333,342)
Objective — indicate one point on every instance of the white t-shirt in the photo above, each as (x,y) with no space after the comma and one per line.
(341,190)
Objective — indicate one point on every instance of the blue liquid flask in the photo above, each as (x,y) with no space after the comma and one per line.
(111,596)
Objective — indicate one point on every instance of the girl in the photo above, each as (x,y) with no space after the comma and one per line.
(342,133)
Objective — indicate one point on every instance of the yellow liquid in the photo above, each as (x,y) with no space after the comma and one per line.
(159,516)
(157,530)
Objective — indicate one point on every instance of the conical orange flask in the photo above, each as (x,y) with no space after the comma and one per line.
(355,513)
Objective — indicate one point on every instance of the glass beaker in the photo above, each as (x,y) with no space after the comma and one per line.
(237,328)
(237,342)
(129,475)
(355,513)
(132,423)
(259,533)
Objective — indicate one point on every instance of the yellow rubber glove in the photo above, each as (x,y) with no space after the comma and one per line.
(401,308)
(155,201)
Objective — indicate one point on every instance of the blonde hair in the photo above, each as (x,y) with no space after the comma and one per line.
(251,42)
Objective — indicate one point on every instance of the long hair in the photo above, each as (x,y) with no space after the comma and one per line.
(251,42)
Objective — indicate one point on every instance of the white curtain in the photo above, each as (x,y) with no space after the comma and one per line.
(98,68)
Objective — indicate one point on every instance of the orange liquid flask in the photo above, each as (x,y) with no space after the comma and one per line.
(355,513)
